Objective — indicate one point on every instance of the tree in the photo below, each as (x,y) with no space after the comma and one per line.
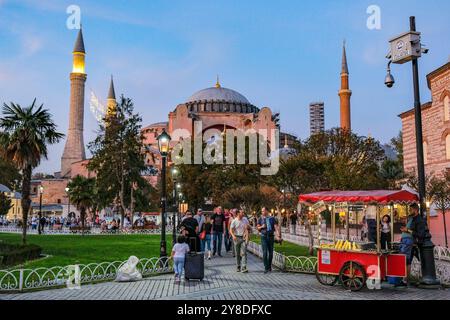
(117,155)
(397,144)
(82,193)
(211,181)
(351,162)
(9,174)
(23,142)
(5,204)
(391,171)
(251,199)
(440,189)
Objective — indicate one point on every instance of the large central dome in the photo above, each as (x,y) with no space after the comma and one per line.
(218,94)
(218,99)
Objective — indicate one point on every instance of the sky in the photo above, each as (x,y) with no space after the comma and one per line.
(279,54)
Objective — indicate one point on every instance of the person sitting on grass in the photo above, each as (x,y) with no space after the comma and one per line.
(179,251)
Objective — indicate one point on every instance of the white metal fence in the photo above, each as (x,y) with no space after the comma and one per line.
(91,231)
(41,278)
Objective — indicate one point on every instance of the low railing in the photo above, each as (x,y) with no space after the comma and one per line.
(40,278)
(91,231)
(302,264)
(286,263)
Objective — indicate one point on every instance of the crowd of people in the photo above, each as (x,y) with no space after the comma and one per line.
(228,229)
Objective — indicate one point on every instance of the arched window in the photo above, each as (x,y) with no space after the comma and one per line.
(425,152)
(447,146)
(447,108)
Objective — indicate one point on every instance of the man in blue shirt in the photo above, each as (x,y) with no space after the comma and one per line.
(267,226)
(407,239)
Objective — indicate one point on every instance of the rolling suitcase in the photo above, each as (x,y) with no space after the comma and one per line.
(194,265)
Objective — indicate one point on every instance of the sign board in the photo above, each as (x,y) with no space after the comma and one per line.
(319,207)
(325,257)
(341,206)
(405,47)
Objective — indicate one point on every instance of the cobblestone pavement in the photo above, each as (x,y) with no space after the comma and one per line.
(223,283)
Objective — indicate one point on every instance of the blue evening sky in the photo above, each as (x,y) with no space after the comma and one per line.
(281,54)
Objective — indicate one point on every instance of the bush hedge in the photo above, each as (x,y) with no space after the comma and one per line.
(11,255)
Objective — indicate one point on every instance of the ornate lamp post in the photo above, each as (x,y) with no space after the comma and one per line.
(68,199)
(163,144)
(175,205)
(404,48)
(41,191)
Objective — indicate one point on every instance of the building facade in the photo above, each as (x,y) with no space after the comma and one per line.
(316,117)
(435,126)
(436,139)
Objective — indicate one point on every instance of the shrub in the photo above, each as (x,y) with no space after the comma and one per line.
(11,255)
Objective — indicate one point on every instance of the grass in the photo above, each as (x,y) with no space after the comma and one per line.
(287,248)
(75,249)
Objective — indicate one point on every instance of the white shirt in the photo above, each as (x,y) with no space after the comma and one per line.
(180,250)
(200,220)
(239,226)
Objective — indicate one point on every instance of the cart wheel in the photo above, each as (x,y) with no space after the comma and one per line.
(326,279)
(352,276)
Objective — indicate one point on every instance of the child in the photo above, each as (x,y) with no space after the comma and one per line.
(179,251)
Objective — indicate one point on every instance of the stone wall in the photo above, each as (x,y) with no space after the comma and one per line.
(435,129)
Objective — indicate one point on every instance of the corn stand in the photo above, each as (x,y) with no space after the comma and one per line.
(356,265)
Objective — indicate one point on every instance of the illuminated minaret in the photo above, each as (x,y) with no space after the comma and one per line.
(74,148)
(345,94)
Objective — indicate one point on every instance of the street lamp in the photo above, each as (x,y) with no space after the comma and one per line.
(175,204)
(163,145)
(41,191)
(405,48)
(68,199)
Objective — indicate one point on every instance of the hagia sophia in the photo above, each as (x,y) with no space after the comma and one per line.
(216,107)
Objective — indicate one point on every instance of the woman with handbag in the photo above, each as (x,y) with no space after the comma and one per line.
(205,237)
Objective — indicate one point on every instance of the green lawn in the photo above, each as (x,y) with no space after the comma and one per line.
(75,249)
(287,248)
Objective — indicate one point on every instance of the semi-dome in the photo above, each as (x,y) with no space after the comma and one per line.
(218,94)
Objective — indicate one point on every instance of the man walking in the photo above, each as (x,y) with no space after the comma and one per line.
(200,219)
(219,227)
(267,226)
(240,230)
(293,221)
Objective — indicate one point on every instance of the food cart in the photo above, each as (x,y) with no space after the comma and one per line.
(354,264)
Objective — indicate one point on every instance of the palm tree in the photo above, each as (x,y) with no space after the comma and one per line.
(83,194)
(25,134)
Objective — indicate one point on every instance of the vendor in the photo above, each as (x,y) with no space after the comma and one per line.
(371,220)
(385,232)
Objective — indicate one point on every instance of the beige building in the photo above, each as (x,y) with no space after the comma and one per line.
(15,212)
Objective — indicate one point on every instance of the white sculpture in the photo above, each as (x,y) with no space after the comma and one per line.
(128,272)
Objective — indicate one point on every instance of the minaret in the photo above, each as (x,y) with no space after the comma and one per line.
(74,148)
(111,103)
(345,94)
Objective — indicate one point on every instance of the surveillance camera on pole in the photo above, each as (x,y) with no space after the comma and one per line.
(404,48)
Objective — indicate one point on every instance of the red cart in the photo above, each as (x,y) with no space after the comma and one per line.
(355,267)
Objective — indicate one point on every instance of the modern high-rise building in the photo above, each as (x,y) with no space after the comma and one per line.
(316,117)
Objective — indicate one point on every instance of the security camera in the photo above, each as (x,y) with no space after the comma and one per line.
(425,50)
(389,81)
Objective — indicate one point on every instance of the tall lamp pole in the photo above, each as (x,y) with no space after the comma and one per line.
(175,206)
(41,191)
(405,48)
(163,144)
(68,199)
